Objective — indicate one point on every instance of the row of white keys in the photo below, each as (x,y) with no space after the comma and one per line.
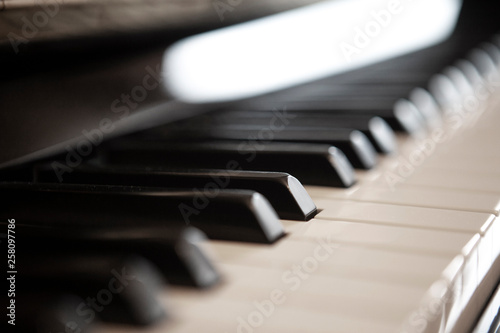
(377,273)
(471,165)
(421,227)
(418,196)
(348,287)
(460,136)
(488,165)
(417,218)
(444,165)
(438,177)
(393,237)
(350,261)
(401,183)
(335,297)
(427,187)
(321,302)
(429,226)
(354,289)
(403,216)
(457,180)
(421,240)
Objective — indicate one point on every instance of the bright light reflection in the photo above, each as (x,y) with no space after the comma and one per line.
(303,44)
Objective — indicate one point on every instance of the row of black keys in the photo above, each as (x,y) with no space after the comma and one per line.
(79,244)
(73,240)
(320,131)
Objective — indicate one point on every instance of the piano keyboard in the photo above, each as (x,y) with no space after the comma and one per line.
(417,252)
(407,242)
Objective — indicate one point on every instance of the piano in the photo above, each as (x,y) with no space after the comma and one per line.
(217,167)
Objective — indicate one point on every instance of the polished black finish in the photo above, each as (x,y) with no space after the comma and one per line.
(46,311)
(237,215)
(375,128)
(353,143)
(115,288)
(313,164)
(385,108)
(177,252)
(285,193)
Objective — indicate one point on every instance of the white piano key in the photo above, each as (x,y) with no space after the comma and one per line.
(495,236)
(407,195)
(429,315)
(384,236)
(488,164)
(489,315)
(470,269)
(364,301)
(321,322)
(479,299)
(489,247)
(433,160)
(481,260)
(454,278)
(457,180)
(408,216)
(325,257)
(333,288)
(340,288)
(413,155)
(474,148)
(435,242)
(243,317)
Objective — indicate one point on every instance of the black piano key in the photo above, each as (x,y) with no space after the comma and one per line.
(312,164)
(400,114)
(285,193)
(354,144)
(382,75)
(330,91)
(39,311)
(115,288)
(238,215)
(375,128)
(176,251)
(495,40)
